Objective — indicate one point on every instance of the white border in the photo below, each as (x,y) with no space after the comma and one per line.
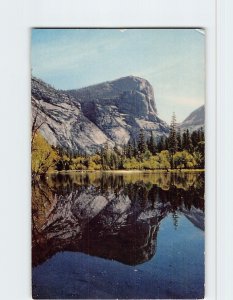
(224,149)
(17,17)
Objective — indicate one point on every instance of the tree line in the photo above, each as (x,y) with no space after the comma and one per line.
(178,150)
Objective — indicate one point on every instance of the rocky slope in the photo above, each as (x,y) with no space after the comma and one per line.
(86,119)
(195,120)
(63,122)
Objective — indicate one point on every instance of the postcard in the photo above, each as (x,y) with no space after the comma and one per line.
(118,163)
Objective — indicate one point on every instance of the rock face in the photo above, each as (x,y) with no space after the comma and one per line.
(85,119)
(195,120)
(122,107)
(63,122)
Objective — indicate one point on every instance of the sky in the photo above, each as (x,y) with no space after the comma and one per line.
(172,60)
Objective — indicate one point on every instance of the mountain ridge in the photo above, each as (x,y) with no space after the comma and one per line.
(85,119)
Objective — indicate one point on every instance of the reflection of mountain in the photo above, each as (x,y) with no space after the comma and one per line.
(195,216)
(109,216)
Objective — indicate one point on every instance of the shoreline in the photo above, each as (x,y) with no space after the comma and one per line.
(129,171)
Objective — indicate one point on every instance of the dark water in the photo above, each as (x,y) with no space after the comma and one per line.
(122,235)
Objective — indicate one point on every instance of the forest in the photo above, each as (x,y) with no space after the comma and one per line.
(179,150)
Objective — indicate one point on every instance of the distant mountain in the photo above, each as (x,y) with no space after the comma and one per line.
(85,119)
(195,120)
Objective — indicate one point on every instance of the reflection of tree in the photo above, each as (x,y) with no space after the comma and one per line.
(181,180)
(153,195)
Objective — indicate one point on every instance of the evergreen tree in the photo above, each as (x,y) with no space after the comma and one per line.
(166,143)
(124,151)
(195,138)
(135,148)
(202,134)
(116,150)
(142,146)
(161,145)
(158,145)
(172,139)
(105,157)
(179,140)
(184,141)
(151,144)
(189,145)
(129,150)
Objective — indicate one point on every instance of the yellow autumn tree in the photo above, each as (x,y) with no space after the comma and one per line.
(44,157)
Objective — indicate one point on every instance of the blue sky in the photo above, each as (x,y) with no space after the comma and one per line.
(172,60)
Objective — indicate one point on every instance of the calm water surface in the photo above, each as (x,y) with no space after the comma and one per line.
(118,235)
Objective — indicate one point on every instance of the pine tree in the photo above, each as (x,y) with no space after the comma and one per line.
(105,156)
(151,144)
(201,143)
(142,146)
(161,145)
(129,150)
(124,151)
(179,140)
(184,141)
(189,145)
(166,143)
(135,148)
(172,139)
(195,138)
(202,134)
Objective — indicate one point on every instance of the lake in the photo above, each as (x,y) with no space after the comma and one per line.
(127,235)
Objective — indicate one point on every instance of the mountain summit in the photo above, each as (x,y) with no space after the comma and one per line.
(122,107)
(119,89)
